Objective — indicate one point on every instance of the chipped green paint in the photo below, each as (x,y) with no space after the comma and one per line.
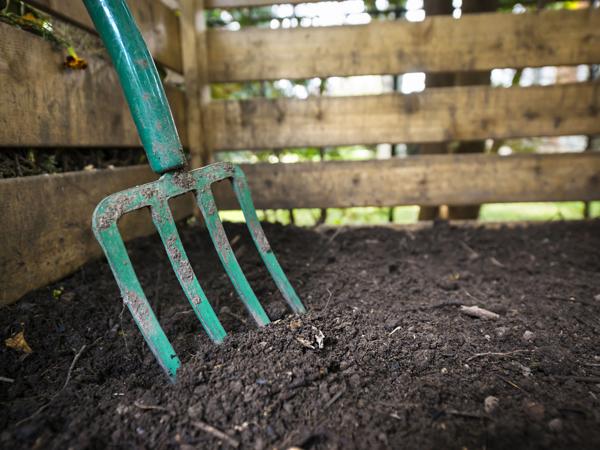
(152,116)
(242,192)
(140,81)
(156,196)
(133,294)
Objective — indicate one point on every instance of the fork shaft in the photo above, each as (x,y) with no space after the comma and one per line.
(140,81)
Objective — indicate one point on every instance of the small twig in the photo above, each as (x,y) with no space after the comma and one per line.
(122,330)
(394,330)
(472,253)
(234,315)
(334,235)
(329,298)
(481,355)
(497,263)
(152,407)
(75,359)
(434,306)
(570,299)
(235,240)
(216,433)
(7,380)
(472,296)
(480,313)
(334,399)
(511,383)
(71,367)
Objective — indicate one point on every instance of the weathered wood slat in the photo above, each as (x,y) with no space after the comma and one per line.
(421,180)
(437,114)
(45,220)
(158,23)
(475,42)
(46,105)
(46,224)
(197,89)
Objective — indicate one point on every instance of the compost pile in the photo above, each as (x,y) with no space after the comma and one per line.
(385,358)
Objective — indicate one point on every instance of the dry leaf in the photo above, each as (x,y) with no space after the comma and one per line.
(18,342)
(305,343)
(295,324)
(319,337)
(75,63)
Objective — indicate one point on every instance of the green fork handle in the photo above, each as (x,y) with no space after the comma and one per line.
(140,82)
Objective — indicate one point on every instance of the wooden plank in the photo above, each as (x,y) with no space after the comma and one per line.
(46,224)
(197,89)
(475,42)
(434,115)
(233,4)
(44,104)
(158,23)
(421,180)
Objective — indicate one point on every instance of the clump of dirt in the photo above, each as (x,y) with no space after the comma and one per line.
(384,359)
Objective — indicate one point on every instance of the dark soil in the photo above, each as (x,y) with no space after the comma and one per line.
(400,367)
(24,162)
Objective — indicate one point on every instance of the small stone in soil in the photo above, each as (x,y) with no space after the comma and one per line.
(528,336)
(355,380)
(555,425)
(533,410)
(490,404)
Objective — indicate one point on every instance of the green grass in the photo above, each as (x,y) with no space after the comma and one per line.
(503,212)
(491,212)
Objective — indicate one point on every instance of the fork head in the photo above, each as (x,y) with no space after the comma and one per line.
(156,196)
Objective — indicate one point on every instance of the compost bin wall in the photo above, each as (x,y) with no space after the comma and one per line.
(45,220)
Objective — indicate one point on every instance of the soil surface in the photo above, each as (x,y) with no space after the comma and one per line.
(401,366)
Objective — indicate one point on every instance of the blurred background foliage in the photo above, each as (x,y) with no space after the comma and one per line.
(35,161)
(288,16)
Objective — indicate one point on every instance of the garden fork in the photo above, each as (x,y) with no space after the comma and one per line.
(154,121)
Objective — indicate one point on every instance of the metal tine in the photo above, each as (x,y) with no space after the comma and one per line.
(135,299)
(167,229)
(206,203)
(242,192)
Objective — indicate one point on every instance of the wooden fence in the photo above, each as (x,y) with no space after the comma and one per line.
(45,220)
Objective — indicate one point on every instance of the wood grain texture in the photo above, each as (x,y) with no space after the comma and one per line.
(158,23)
(46,224)
(434,115)
(197,89)
(421,180)
(46,105)
(474,42)
(46,219)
